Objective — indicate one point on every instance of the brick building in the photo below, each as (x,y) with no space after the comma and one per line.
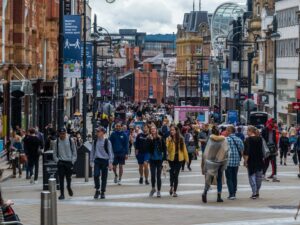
(28,69)
(148,83)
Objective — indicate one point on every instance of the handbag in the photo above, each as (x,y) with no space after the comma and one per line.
(295,158)
(272,148)
(266,150)
(9,214)
(23,158)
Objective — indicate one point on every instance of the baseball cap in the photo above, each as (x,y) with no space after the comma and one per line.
(62,130)
(102,129)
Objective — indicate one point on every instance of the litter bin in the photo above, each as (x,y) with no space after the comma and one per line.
(79,164)
(49,169)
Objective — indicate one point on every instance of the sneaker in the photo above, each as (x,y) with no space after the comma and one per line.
(102,195)
(232,198)
(70,192)
(271,177)
(20,175)
(116,180)
(171,191)
(35,182)
(285,164)
(31,180)
(190,169)
(61,197)
(158,194)
(175,195)
(275,180)
(280,162)
(97,193)
(119,182)
(152,192)
(147,182)
(141,181)
(253,197)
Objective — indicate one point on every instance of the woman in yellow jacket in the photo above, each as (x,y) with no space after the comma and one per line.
(177,154)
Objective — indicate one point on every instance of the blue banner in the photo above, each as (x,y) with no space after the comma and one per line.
(232,117)
(89,60)
(225,83)
(206,85)
(151,92)
(99,94)
(72,46)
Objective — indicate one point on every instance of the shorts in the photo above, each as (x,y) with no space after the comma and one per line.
(119,160)
(142,158)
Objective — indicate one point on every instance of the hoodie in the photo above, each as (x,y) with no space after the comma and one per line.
(120,143)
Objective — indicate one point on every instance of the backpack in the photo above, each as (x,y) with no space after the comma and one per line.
(105,145)
(71,146)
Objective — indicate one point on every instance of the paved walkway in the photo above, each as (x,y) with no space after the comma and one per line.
(130,204)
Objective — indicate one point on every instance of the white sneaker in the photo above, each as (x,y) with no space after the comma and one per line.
(36,182)
(31,180)
(119,182)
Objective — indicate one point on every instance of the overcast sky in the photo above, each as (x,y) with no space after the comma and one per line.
(151,16)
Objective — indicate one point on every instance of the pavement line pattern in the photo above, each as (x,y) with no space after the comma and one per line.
(273,221)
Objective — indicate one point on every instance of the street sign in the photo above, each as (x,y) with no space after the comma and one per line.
(244,82)
(235,67)
(296,105)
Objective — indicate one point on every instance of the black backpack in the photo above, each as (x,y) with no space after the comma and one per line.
(105,145)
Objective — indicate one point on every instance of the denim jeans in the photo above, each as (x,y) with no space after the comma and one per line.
(231,177)
(156,168)
(100,168)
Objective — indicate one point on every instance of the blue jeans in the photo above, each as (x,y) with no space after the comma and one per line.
(231,177)
(101,167)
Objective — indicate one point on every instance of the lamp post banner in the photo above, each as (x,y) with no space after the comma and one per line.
(89,60)
(72,46)
(205,85)
(225,83)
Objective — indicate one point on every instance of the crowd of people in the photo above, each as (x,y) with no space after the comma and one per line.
(159,146)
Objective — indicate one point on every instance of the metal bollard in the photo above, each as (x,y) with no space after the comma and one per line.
(86,167)
(52,189)
(45,208)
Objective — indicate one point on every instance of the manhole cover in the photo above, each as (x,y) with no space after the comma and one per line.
(283,207)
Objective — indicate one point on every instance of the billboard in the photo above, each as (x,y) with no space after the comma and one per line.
(225,83)
(72,46)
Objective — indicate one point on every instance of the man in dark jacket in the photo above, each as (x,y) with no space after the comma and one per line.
(120,143)
(32,147)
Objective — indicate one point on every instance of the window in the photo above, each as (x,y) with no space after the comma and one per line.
(287,17)
(287,47)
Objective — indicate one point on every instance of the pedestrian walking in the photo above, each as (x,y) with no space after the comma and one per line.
(17,150)
(101,159)
(143,155)
(65,155)
(254,160)
(269,134)
(235,151)
(157,149)
(284,145)
(32,148)
(120,143)
(214,162)
(177,154)
(190,145)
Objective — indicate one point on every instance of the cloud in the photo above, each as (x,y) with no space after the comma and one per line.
(151,16)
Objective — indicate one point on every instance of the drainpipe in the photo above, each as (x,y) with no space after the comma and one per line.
(4,4)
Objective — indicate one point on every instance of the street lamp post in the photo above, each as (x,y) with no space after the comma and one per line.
(275,36)
(60,100)
(84,96)
(94,78)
